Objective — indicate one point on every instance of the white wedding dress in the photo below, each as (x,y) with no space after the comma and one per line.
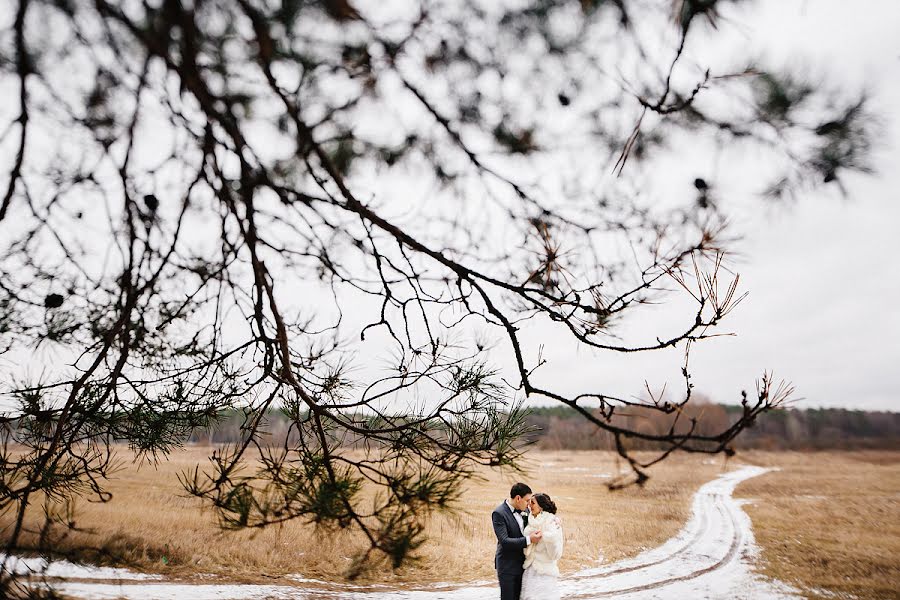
(540,581)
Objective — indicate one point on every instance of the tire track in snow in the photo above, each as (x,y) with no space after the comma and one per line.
(701,529)
(729,556)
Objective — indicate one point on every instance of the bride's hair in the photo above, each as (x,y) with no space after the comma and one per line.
(545,502)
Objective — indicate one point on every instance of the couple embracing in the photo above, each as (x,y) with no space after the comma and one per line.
(529,545)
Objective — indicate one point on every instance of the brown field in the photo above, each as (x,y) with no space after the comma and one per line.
(826,521)
(150,524)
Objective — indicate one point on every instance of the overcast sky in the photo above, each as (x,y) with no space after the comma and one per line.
(823,275)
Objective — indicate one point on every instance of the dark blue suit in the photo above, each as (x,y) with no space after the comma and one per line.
(510,552)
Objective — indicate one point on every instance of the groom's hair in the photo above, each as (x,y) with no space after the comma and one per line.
(519,489)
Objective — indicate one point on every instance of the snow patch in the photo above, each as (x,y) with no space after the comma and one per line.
(63,569)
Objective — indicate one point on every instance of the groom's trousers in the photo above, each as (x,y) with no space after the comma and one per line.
(510,585)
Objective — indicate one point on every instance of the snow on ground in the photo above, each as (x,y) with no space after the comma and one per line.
(710,558)
(64,569)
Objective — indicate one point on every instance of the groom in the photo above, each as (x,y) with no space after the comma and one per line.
(509,521)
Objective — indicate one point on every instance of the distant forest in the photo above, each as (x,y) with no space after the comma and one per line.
(784,429)
(561,428)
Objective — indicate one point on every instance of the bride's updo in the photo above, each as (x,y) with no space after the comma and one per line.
(545,502)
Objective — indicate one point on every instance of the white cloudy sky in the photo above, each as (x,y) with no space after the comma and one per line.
(823,275)
(823,280)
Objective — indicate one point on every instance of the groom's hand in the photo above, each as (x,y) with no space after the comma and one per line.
(536,537)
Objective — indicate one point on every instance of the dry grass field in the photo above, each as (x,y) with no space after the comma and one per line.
(825,521)
(150,525)
(828,522)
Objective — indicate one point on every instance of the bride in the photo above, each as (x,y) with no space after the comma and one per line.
(539,581)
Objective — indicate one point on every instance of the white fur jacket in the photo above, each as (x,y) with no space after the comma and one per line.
(543,555)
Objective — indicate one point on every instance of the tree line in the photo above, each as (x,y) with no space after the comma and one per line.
(787,429)
(561,428)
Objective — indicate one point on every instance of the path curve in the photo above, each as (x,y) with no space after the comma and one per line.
(711,557)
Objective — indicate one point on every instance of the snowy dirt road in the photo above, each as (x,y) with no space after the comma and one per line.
(711,557)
